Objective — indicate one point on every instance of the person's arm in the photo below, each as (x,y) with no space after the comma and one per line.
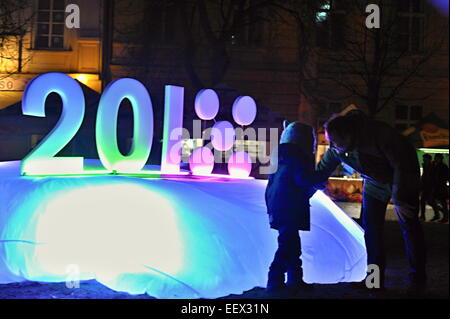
(327,165)
(317,178)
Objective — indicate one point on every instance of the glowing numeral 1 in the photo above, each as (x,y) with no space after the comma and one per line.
(172,136)
(41,160)
(106,126)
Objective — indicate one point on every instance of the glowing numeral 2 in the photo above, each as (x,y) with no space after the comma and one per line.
(42,159)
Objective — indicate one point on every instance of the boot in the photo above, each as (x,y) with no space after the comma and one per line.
(295,281)
(275,282)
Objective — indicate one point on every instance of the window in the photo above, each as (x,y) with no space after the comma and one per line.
(406,116)
(50,24)
(330,19)
(411,19)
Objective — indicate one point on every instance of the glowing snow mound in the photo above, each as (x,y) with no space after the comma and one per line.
(170,238)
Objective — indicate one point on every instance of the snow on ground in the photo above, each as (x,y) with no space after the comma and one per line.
(178,237)
(437,237)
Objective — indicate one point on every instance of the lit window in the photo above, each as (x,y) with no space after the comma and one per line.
(330,18)
(50,24)
(323,12)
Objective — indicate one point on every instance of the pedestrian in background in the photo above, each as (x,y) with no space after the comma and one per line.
(427,187)
(440,193)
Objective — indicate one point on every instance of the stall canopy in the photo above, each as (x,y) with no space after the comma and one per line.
(430,132)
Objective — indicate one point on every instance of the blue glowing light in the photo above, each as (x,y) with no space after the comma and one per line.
(167,237)
(42,160)
(441,5)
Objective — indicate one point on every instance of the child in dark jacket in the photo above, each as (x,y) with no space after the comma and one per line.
(287,198)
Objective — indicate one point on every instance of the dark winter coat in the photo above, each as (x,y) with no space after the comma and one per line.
(290,187)
(385,158)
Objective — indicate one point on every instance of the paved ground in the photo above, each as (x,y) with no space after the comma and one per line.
(437,236)
(354,211)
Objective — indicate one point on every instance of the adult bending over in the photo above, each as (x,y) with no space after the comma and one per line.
(389,166)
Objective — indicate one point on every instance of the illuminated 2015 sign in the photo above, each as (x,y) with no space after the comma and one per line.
(43,161)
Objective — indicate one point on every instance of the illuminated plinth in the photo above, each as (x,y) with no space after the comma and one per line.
(168,237)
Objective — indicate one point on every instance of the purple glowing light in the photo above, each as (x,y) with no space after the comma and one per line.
(244,110)
(206,104)
(441,5)
(240,164)
(201,161)
(213,177)
(222,136)
(173,122)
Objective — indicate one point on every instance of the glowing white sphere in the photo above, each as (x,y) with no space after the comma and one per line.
(222,135)
(240,164)
(244,110)
(206,104)
(201,161)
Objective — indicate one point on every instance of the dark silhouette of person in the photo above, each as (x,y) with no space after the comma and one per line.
(389,166)
(427,187)
(287,198)
(440,193)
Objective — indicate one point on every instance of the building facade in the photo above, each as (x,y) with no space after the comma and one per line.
(182,43)
(47,45)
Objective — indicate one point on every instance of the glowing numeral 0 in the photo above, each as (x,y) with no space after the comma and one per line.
(106,126)
(41,160)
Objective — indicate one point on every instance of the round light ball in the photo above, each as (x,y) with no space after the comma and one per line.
(206,104)
(244,110)
(240,164)
(201,161)
(222,136)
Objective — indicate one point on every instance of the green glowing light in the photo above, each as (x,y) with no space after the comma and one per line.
(106,126)
(434,150)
